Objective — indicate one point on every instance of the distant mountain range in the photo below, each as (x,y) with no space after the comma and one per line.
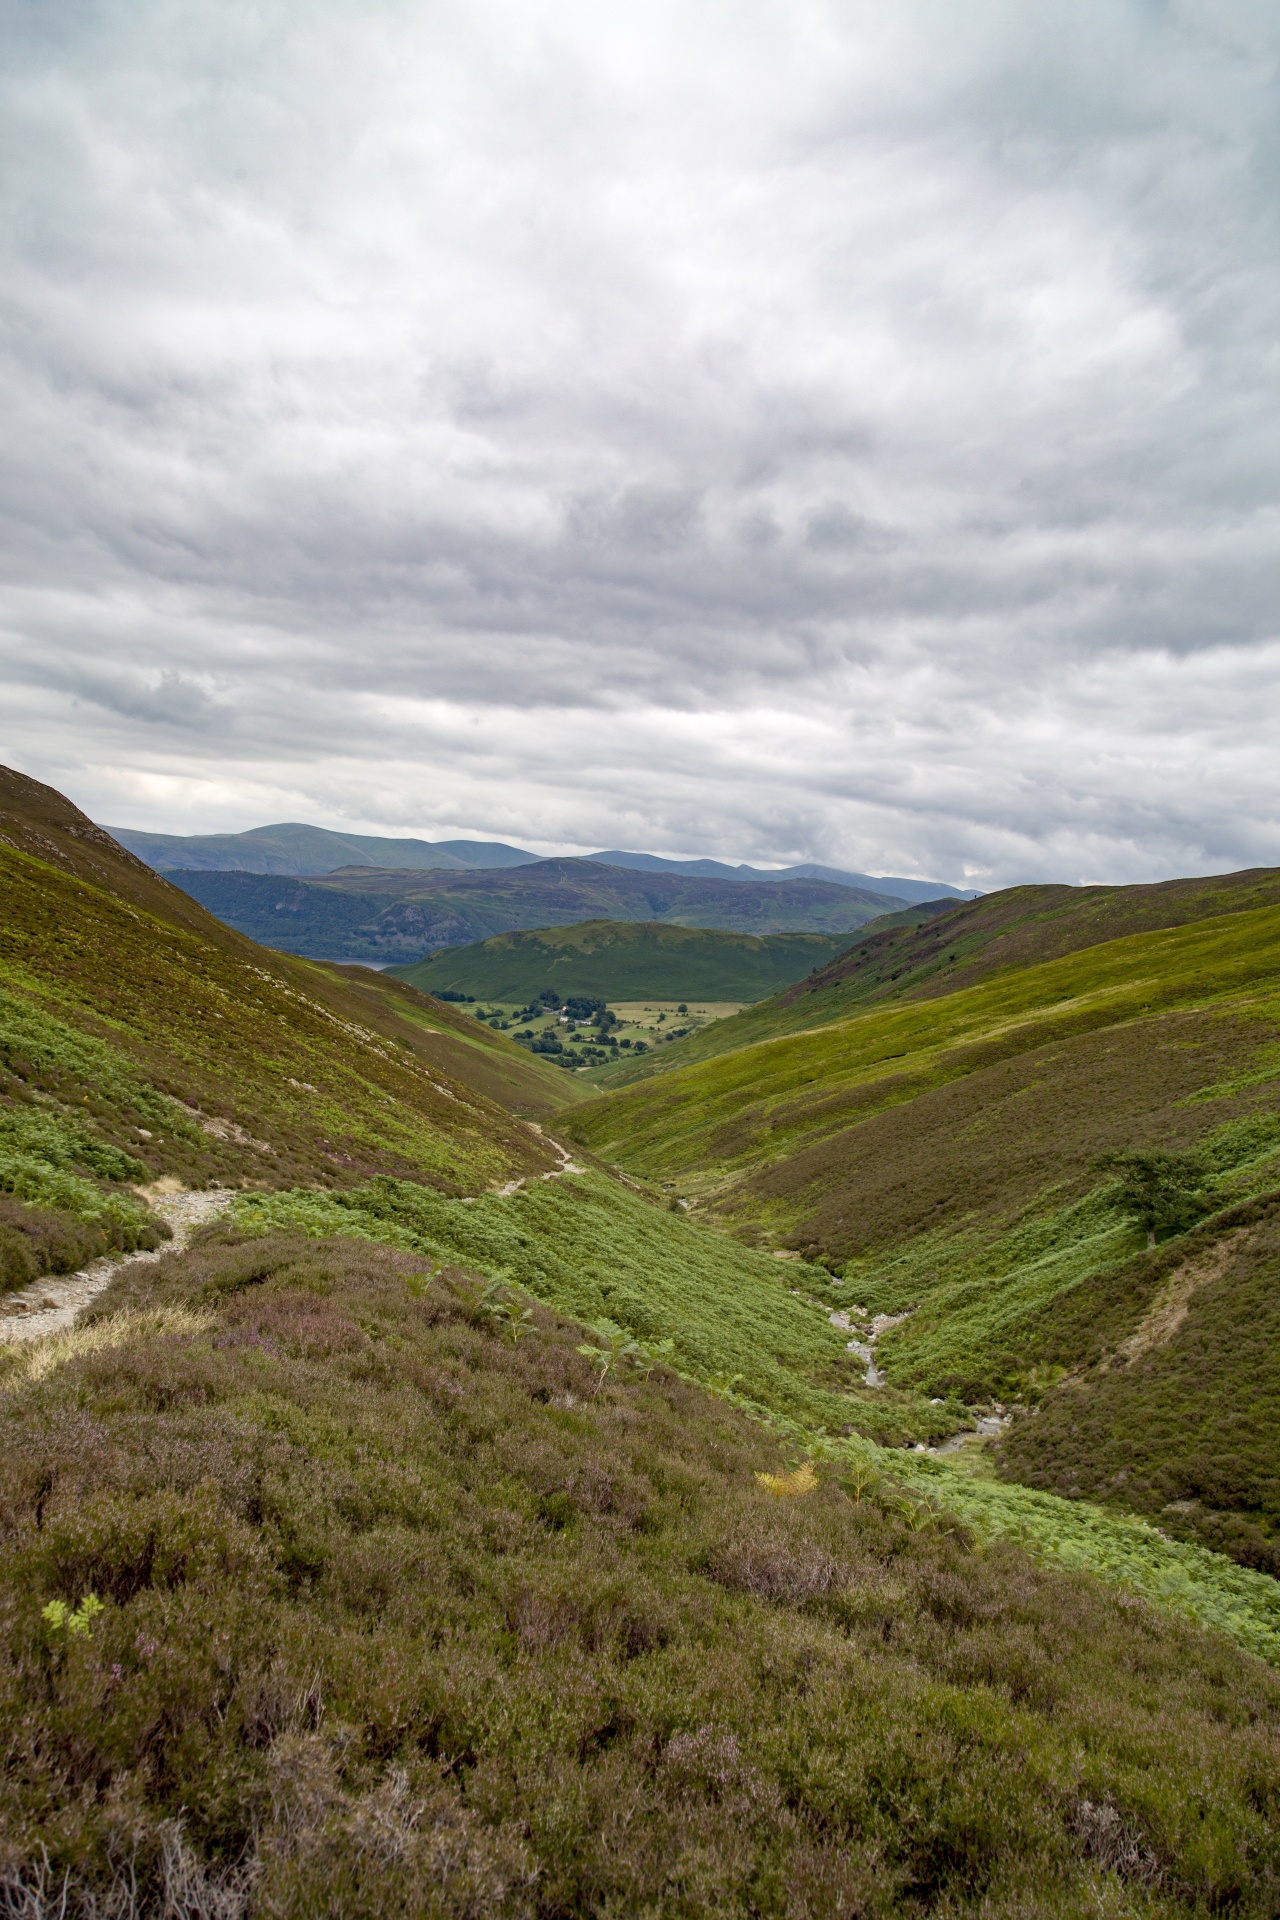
(385,914)
(909,892)
(296,849)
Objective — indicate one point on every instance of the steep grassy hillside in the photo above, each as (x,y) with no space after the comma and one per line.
(1175,1411)
(373,913)
(937,950)
(1021,927)
(985,1094)
(931,1129)
(618,960)
(141,1040)
(396,1614)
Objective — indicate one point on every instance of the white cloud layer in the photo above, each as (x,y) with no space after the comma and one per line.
(777,429)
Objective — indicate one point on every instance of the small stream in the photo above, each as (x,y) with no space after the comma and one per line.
(985,1425)
(866,1349)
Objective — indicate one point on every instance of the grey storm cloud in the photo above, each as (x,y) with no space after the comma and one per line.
(781,430)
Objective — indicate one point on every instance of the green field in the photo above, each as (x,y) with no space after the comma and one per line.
(621,960)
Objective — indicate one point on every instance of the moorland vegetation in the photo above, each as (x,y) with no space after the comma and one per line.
(992,1161)
(401,1614)
(454,1528)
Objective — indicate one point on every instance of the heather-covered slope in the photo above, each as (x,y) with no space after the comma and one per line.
(398,1614)
(1021,927)
(1174,1410)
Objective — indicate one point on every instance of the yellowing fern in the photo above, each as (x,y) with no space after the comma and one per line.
(803,1480)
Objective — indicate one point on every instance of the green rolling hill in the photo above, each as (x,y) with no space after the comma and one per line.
(618,960)
(455,1528)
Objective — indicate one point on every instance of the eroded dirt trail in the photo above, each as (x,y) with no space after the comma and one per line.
(567,1165)
(51,1304)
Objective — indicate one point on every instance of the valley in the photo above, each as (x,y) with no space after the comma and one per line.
(950,1151)
(823,1464)
(585,1034)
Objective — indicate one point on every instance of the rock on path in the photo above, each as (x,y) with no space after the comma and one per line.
(51,1304)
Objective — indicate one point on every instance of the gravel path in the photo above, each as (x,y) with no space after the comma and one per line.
(49,1305)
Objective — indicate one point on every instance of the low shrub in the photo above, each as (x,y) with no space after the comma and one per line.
(400,1615)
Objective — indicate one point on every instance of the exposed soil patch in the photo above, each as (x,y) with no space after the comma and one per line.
(1170,1308)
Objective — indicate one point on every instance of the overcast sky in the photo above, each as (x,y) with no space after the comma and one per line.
(773,430)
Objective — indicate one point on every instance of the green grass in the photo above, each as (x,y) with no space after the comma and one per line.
(619,960)
(50,1160)
(588,1247)
(399,1616)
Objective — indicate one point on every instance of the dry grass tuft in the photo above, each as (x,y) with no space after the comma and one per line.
(38,1358)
